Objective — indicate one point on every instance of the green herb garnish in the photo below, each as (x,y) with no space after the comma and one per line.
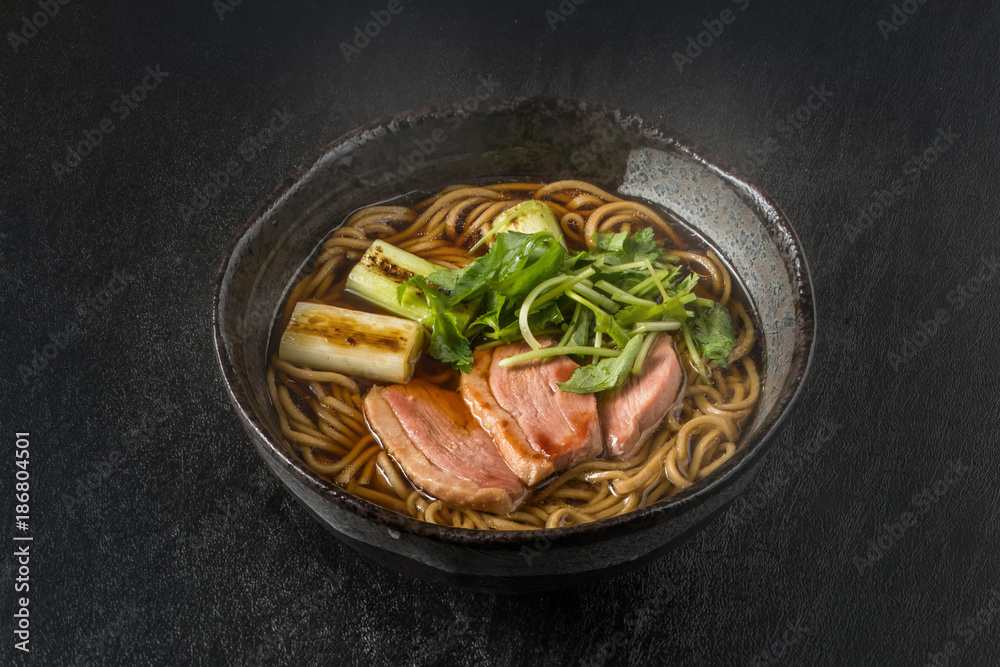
(606,305)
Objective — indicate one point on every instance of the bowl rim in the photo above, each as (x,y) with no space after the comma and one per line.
(776,222)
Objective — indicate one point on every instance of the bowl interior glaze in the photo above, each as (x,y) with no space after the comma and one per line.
(545,139)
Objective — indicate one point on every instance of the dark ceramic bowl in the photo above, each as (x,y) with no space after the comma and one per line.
(546,139)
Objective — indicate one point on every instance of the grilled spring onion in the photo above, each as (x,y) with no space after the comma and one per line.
(528,217)
(327,338)
(377,277)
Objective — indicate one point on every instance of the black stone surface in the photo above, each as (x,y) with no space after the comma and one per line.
(159,538)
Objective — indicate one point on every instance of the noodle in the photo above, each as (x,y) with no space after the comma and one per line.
(319,412)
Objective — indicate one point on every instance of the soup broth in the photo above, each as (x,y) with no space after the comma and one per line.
(321,412)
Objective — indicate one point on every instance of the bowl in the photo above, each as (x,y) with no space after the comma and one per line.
(548,139)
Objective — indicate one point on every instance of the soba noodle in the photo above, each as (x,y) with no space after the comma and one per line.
(320,412)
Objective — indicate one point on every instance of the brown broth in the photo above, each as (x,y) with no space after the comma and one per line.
(372,482)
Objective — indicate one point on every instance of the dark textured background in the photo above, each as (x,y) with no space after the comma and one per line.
(870,538)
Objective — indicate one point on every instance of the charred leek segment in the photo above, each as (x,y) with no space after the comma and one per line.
(377,278)
(327,338)
(380,272)
(529,217)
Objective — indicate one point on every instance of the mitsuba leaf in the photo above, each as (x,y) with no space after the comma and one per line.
(548,315)
(607,373)
(447,342)
(484,272)
(540,259)
(461,284)
(622,248)
(611,242)
(625,280)
(572,261)
(671,309)
(489,320)
(517,263)
(447,279)
(685,286)
(606,324)
(513,266)
(642,246)
(712,331)
(580,325)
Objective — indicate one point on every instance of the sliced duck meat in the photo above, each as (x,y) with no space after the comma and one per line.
(539,429)
(530,465)
(631,412)
(441,447)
